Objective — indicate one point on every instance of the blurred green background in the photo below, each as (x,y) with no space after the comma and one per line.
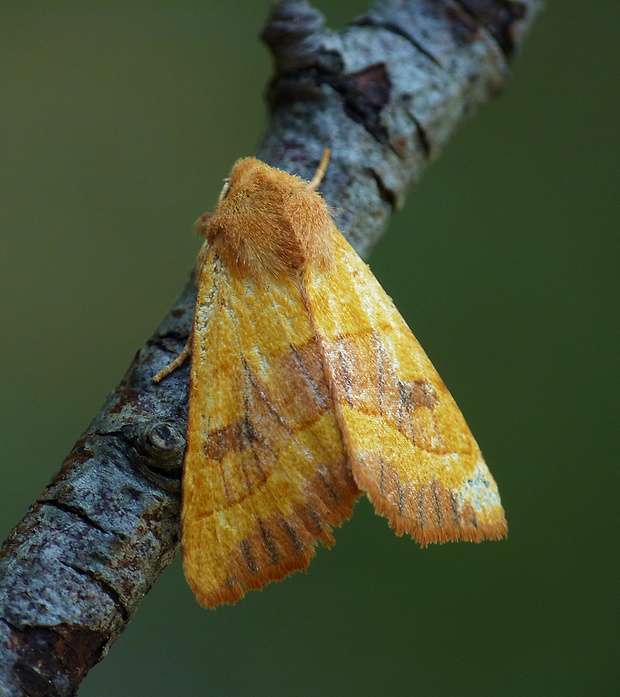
(118,122)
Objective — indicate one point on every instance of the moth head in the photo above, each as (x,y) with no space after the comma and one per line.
(268,221)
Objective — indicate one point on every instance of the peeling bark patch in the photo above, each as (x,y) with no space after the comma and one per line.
(497,16)
(365,94)
(466,24)
(373,84)
(53,660)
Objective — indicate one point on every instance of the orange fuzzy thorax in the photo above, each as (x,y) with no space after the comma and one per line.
(269,222)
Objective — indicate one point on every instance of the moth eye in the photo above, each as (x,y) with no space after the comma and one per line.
(225,190)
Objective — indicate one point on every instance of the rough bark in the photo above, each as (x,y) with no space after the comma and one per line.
(384,94)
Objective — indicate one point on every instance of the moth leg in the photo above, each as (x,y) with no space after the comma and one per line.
(177,362)
(201,228)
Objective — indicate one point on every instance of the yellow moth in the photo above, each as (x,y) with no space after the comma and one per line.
(307,388)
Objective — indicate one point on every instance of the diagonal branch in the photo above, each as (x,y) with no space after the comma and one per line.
(384,94)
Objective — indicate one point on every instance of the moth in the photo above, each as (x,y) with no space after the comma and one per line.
(308,388)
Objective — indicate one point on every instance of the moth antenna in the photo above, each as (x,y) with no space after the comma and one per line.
(320,172)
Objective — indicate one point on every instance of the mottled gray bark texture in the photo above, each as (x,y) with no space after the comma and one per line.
(384,94)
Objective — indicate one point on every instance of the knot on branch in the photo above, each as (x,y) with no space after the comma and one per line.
(294,34)
(160,446)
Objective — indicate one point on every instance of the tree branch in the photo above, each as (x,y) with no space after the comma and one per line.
(384,94)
